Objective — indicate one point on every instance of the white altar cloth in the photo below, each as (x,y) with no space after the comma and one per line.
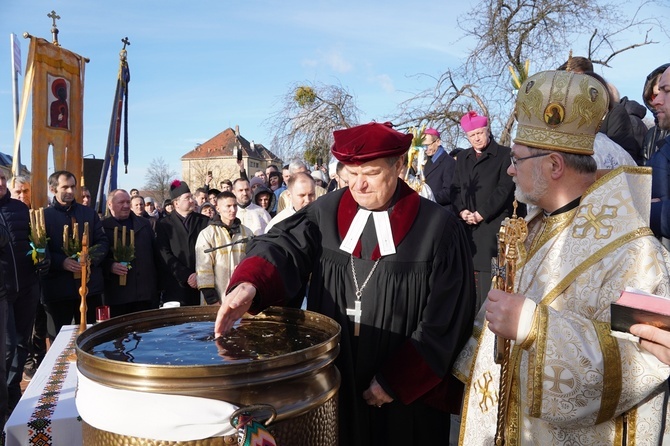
(46,414)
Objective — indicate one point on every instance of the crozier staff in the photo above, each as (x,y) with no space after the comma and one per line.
(394,270)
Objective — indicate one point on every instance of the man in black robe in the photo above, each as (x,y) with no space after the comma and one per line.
(176,235)
(482,195)
(409,265)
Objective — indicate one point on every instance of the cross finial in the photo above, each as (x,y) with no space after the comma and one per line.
(54,29)
(125,42)
(52,15)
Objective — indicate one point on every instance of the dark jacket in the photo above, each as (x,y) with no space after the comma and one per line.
(653,141)
(60,284)
(636,113)
(142,278)
(176,252)
(660,165)
(660,188)
(618,127)
(483,185)
(439,175)
(4,242)
(15,261)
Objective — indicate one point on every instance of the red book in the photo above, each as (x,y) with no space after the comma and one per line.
(637,307)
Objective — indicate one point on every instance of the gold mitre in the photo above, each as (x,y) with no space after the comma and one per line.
(560,110)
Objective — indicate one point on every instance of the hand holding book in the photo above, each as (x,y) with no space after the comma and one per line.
(653,339)
(647,318)
(637,307)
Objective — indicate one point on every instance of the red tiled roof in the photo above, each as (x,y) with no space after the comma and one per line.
(223,144)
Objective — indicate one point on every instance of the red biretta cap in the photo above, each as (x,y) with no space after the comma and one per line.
(367,142)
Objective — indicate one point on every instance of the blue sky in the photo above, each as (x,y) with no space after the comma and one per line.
(202,66)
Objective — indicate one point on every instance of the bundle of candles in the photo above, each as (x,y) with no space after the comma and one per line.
(123,252)
(38,235)
(72,242)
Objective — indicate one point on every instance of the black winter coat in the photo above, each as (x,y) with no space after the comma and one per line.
(618,127)
(636,113)
(19,271)
(653,141)
(176,251)
(483,185)
(4,241)
(142,278)
(60,284)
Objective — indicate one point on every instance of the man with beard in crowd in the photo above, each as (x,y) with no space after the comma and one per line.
(251,215)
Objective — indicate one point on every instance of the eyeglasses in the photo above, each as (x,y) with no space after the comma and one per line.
(515,161)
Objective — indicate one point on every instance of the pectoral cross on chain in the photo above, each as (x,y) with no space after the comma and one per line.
(356,313)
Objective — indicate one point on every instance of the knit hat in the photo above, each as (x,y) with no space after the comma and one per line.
(367,142)
(206,204)
(319,175)
(471,121)
(256,181)
(560,110)
(178,188)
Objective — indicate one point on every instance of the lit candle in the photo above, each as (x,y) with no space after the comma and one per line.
(116,237)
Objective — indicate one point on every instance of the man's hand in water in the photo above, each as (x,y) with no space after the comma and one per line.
(233,307)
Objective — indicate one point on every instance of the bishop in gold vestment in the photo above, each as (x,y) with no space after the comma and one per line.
(571,382)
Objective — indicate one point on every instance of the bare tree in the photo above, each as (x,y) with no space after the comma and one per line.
(200,168)
(507,34)
(159,176)
(308,114)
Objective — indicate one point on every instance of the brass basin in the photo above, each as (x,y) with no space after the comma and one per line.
(293,383)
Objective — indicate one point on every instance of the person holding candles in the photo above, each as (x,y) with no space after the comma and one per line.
(131,279)
(21,287)
(65,221)
(4,242)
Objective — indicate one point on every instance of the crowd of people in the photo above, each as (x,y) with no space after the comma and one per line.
(407,278)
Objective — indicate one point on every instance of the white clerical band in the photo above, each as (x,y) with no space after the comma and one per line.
(382,228)
(124,412)
(384,233)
